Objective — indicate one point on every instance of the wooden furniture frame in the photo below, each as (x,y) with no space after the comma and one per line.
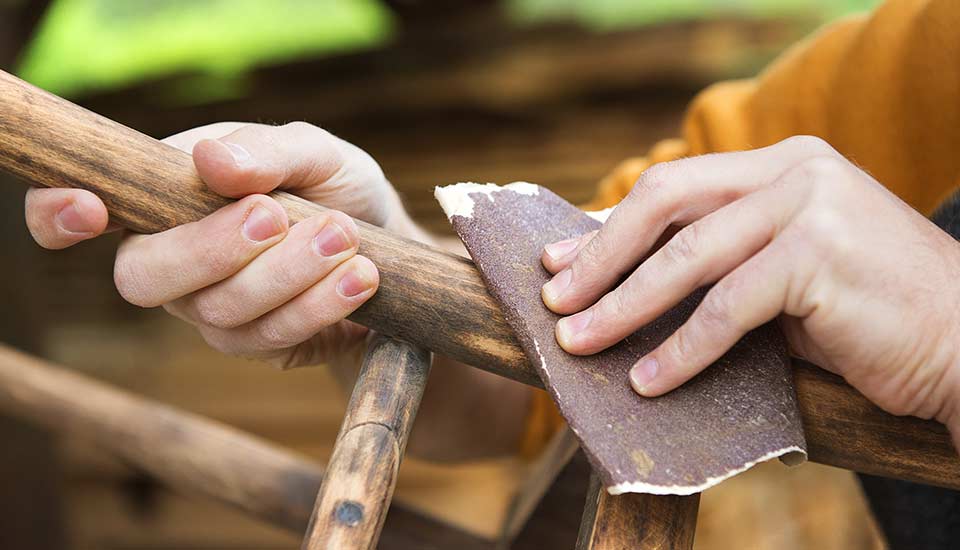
(428,300)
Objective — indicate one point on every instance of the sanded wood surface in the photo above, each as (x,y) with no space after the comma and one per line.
(190,453)
(426,296)
(362,472)
(635,521)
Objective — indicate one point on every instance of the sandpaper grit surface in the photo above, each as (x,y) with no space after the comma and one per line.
(740,411)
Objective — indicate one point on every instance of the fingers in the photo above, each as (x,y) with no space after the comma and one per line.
(327,302)
(311,250)
(698,255)
(678,193)
(154,269)
(559,255)
(58,218)
(748,297)
(258,159)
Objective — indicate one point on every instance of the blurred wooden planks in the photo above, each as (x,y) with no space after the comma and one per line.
(193,454)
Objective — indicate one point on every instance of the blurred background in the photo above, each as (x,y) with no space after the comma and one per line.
(550,91)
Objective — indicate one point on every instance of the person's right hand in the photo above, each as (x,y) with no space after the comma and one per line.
(251,284)
(861,283)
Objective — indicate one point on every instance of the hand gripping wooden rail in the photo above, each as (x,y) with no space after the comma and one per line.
(427,296)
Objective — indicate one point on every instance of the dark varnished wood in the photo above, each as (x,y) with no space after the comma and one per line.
(426,296)
(844,429)
(362,472)
(635,521)
(190,453)
(149,186)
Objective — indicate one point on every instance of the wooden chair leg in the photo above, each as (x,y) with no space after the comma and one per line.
(192,454)
(183,450)
(560,450)
(637,521)
(358,485)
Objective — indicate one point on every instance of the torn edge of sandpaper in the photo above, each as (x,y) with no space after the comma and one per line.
(739,412)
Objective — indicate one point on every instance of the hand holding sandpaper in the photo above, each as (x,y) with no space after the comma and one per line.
(737,413)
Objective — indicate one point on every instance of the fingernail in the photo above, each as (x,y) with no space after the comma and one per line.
(643,373)
(261,224)
(555,287)
(69,219)
(331,240)
(560,249)
(570,327)
(354,284)
(240,155)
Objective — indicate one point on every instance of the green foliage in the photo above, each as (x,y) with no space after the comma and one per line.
(85,45)
(610,14)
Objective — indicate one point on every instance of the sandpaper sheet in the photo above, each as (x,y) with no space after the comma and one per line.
(740,411)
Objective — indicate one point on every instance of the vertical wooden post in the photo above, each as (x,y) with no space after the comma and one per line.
(359,481)
(637,521)
(543,474)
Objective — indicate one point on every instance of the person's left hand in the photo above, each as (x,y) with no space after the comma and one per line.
(863,285)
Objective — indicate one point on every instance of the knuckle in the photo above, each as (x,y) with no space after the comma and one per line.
(827,232)
(210,311)
(130,281)
(824,170)
(683,247)
(39,222)
(270,337)
(610,308)
(811,145)
(300,126)
(219,340)
(651,180)
(317,136)
(897,407)
(715,311)
(582,270)
(218,264)
(589,256)
(681,347)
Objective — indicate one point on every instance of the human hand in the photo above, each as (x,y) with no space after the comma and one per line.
(251,284)
(862,285)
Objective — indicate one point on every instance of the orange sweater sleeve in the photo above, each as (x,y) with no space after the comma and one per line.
(883,89)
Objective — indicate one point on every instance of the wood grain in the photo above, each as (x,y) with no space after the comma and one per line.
(188,452)
(844,429)
(185,450)
(362,473)
(642,522)
(149,186)
(426,296)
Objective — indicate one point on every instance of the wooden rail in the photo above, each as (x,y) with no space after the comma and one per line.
(644,522)
(426,296)
(190,453)
(362,473)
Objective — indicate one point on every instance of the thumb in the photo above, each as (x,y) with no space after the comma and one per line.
(258,159)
